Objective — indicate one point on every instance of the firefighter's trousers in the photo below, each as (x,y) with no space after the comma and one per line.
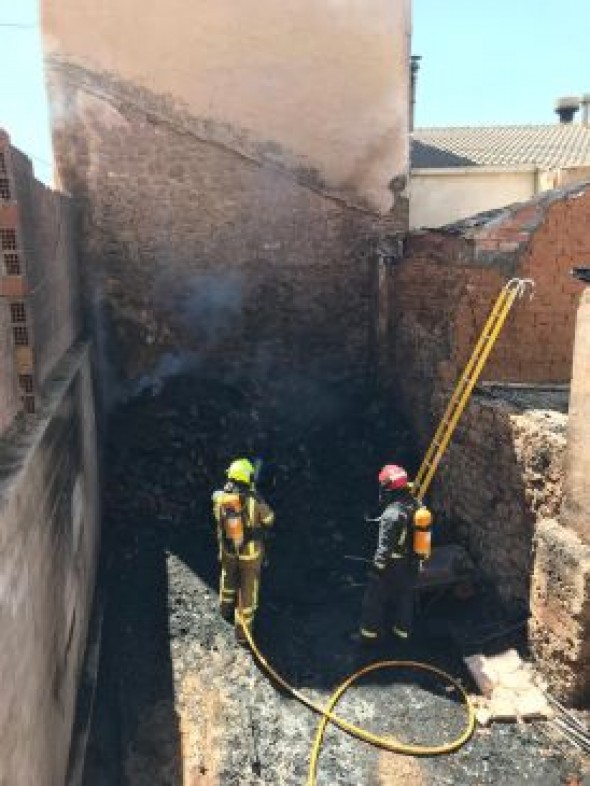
(393,587)
(240,583)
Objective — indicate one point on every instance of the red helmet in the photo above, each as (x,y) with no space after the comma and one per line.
(393,477)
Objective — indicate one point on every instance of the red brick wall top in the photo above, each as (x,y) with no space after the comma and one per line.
(443,290)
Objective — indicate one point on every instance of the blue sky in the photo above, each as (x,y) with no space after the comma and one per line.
(499,61)
(23,103)
(484,62)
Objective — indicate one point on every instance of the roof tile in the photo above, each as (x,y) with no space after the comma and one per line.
(548,146)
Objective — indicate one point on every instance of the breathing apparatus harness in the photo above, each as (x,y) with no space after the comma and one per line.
(419,538)
(234,516)
(233,503)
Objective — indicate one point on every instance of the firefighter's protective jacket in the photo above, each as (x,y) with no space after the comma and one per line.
(395,532)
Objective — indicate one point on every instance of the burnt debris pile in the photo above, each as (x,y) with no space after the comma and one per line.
(178,702)
(320,445)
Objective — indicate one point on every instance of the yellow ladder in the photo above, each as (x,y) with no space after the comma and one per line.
(515,288)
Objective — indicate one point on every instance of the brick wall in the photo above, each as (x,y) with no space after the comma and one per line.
(47,227)
(194,253)
(39,292)
(500,486)
(441,294)
(10,287)
(9,398)
(49,528)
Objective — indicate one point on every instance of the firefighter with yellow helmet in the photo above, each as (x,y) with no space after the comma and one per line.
(403,542)
(243,518)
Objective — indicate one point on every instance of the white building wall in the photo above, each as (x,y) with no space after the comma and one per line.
(442,196)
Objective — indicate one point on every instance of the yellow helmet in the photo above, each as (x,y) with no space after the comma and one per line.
(241,471)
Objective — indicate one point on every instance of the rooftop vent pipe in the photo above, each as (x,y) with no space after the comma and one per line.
(566,108)
(585,104)
(414,68)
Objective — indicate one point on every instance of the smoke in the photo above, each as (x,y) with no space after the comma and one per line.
(208,306)
(169,365)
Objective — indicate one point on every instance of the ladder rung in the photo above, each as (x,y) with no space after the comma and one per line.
(464,387)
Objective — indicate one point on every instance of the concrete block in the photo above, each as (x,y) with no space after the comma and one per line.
(508,687)
(485,678)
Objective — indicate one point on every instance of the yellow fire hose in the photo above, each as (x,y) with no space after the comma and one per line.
(514,289)
(387,743)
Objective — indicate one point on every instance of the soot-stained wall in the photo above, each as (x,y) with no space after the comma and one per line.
(232,165)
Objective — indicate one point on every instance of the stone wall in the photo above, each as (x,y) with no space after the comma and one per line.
(194,255)
(49,530)
(560,610)
(560,600)
(220,234)
(500,487)
(502,474)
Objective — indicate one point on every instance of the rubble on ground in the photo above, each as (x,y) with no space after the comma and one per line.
(193,708)
(509,690)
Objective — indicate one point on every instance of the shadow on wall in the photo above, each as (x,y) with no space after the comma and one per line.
(426,156)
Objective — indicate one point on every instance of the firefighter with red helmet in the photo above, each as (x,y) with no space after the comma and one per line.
(395,567)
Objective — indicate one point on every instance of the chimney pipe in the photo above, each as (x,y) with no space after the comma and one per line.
(414,68)
(566,108)
(585,104)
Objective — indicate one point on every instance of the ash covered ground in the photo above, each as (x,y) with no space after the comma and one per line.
(178,702)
